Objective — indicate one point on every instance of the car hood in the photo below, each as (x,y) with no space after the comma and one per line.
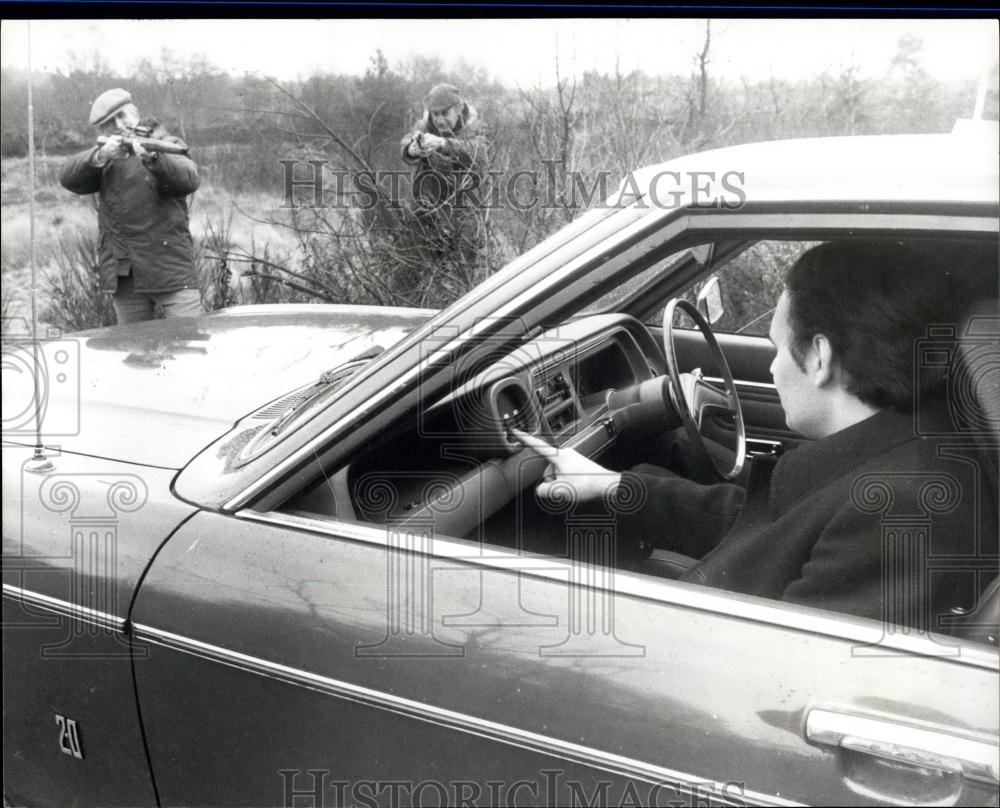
(156,393)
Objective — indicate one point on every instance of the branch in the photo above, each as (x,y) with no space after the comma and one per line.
(316,117)
(286,282)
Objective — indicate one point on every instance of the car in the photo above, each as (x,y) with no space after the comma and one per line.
(292,555)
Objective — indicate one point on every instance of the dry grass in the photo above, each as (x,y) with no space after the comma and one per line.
(247,215)
(64,218)
(58,215)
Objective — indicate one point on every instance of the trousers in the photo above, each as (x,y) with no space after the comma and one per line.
(133,307)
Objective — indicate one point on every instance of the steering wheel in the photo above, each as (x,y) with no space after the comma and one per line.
(697,401)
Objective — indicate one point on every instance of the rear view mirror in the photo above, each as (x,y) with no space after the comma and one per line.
(710,300)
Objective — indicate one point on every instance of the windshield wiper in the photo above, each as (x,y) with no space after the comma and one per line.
(305,398)
(328,380)
(347,369)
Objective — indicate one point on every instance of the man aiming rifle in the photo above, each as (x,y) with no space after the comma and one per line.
(140,137)
(142,177)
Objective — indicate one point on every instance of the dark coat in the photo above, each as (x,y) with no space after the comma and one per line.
(823,525)
(458,165)
(142,217)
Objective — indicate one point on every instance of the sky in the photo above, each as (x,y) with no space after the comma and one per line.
(517,52)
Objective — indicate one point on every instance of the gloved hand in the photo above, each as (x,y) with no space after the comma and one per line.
(112,149)
(431,142)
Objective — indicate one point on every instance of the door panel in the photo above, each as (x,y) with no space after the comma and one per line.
(749,360)
(295,644)
(749,357)
(285,740)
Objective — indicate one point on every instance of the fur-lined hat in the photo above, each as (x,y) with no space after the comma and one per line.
(442,97)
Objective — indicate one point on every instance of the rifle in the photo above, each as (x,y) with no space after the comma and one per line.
(140,135)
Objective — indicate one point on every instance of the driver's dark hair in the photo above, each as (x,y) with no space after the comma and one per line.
(873,300)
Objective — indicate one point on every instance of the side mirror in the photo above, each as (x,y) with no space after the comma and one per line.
(709,300)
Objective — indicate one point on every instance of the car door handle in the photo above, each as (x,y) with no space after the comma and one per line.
(973,756)
(760,446)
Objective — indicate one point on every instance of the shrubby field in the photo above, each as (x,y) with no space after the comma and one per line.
(572,135)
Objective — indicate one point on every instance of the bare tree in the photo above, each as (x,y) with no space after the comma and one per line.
(382,252)
(698,95)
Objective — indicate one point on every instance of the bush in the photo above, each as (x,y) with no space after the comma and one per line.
(10,325)
(75,300)
(234,276)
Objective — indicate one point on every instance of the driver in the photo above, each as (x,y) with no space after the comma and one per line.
(857,520)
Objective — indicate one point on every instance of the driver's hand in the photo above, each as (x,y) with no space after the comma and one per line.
(571,473)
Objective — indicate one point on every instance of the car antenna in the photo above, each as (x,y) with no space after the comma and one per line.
(984,78)
(40,462)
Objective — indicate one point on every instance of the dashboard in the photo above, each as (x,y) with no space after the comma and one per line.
(458,464)
(572,393)
(560,397)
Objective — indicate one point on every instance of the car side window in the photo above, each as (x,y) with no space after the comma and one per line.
(750,285)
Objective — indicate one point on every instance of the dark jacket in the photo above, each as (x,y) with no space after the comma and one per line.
(142,217)
(833,521)
(458,165)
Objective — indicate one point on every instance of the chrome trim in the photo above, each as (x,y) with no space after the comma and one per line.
(972,755)
(741,383)
(764,442)
(258,309)
(818,220)
(440,716)
(65,608)
(757,447)
(866,633)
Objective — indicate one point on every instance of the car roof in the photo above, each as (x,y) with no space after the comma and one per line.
(961,167)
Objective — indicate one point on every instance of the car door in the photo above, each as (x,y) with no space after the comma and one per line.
(330,661)
(296,657)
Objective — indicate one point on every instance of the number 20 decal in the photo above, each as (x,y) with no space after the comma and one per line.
(69,737)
